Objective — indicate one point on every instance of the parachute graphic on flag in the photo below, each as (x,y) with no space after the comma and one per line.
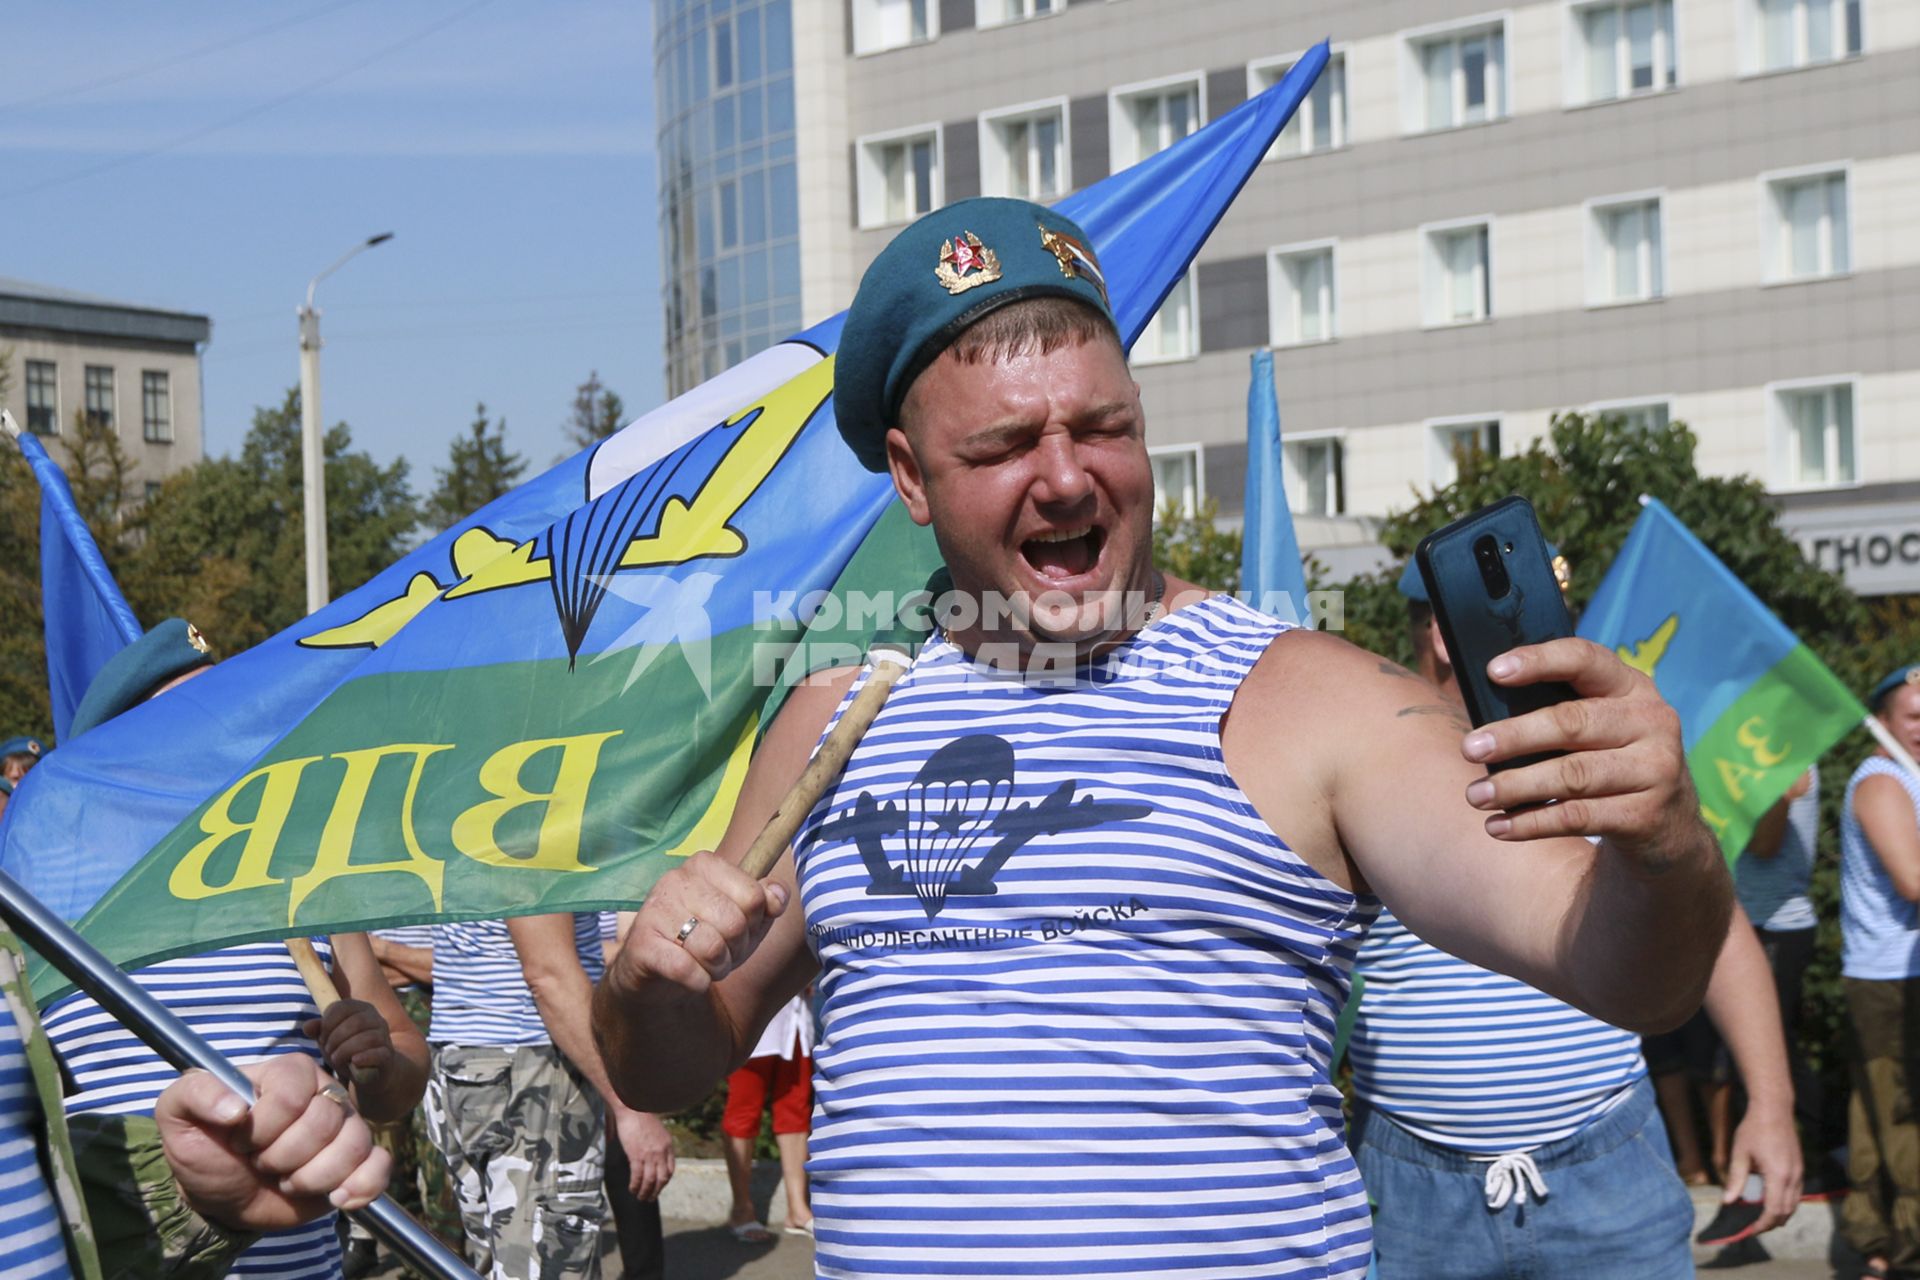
(540,707)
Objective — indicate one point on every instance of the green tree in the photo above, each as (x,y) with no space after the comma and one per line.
(479,469)
(1584,479)
(1195,547)
(597,413)
(24,706)
(224,541)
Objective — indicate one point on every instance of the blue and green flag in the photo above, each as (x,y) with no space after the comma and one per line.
(542,706)
(1756,706)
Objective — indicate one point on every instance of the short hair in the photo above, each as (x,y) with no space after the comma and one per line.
(1419,614)
(1031,326)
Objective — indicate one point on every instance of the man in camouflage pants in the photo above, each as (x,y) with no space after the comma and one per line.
(519,1097)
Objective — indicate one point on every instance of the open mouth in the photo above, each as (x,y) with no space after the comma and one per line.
(1062,554)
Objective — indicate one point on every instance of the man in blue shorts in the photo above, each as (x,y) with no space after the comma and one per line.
(1528,1126)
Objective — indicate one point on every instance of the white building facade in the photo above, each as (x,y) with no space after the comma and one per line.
(136,369)
(1681,210)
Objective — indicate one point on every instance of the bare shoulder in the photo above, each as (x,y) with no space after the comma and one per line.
(1303,672)
(786,748)
(804,716)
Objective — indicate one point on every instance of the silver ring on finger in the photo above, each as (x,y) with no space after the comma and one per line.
(338,1092)
(686,930)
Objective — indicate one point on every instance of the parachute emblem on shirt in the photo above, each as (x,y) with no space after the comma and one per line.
(958,824)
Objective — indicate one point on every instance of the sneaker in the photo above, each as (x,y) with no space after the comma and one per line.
(1735,1221)
(360,1258)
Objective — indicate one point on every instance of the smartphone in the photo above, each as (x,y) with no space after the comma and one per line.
(1491,582)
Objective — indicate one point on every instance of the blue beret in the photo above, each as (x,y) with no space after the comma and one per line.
(137,670)
(1413,587)
(937,277)
(22,746)
(1909,674)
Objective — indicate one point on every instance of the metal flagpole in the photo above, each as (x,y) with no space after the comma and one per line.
(163,1031)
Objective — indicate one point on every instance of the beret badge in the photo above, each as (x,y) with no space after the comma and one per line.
(965,263)
(1075,258)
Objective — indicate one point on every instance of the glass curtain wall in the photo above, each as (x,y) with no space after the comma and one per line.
(729,204)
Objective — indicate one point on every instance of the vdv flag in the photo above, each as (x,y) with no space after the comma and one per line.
(1756,706)
(539,708)
(87,619)
(1269,552)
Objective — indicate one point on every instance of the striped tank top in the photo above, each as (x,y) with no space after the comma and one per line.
(33,1240)
(249,1002)
(480,992)
(1879,929)
(1473,1060)
(1078,997)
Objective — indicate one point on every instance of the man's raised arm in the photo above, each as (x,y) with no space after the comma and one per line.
(1483,866)
(673,1015)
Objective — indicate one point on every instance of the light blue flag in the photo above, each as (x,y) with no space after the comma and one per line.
(539,709)
(1271,575)
(87,619)
(1756,706)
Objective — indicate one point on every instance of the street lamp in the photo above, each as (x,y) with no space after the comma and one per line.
(312,464)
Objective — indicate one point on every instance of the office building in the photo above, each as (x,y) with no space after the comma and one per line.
(1677,210)
(134,368)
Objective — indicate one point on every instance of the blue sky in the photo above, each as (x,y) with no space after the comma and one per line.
(213,157)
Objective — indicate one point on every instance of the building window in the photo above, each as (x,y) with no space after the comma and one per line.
(1624,47)
(1453,441)
(899,176)
(1458,286)
(1784,34)
(1300,282)
(1024,152)
(996,13)
(1459,77)
(1813,434)
(893,24)
(1321,122)
(1644,416)
(152,490)
(1174,331)
(1147,119)
(1626,256)
(1178,478)
(1809,235)
(1317,476)
(43,398)
(156,406)
(99,391)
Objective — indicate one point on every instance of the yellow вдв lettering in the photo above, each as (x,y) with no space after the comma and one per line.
(262,832)
(558,845)
(334,856)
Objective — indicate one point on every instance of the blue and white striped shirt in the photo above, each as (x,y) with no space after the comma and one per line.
(250,1003)
(480,992)
(1078,997)
(1773,891)
(1473,1060)
(33,1239)
(1879,929)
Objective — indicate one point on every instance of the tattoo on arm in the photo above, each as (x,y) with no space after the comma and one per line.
(1395,669)
(1454,715)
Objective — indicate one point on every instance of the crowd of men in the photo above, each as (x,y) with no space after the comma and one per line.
(1106,1045)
